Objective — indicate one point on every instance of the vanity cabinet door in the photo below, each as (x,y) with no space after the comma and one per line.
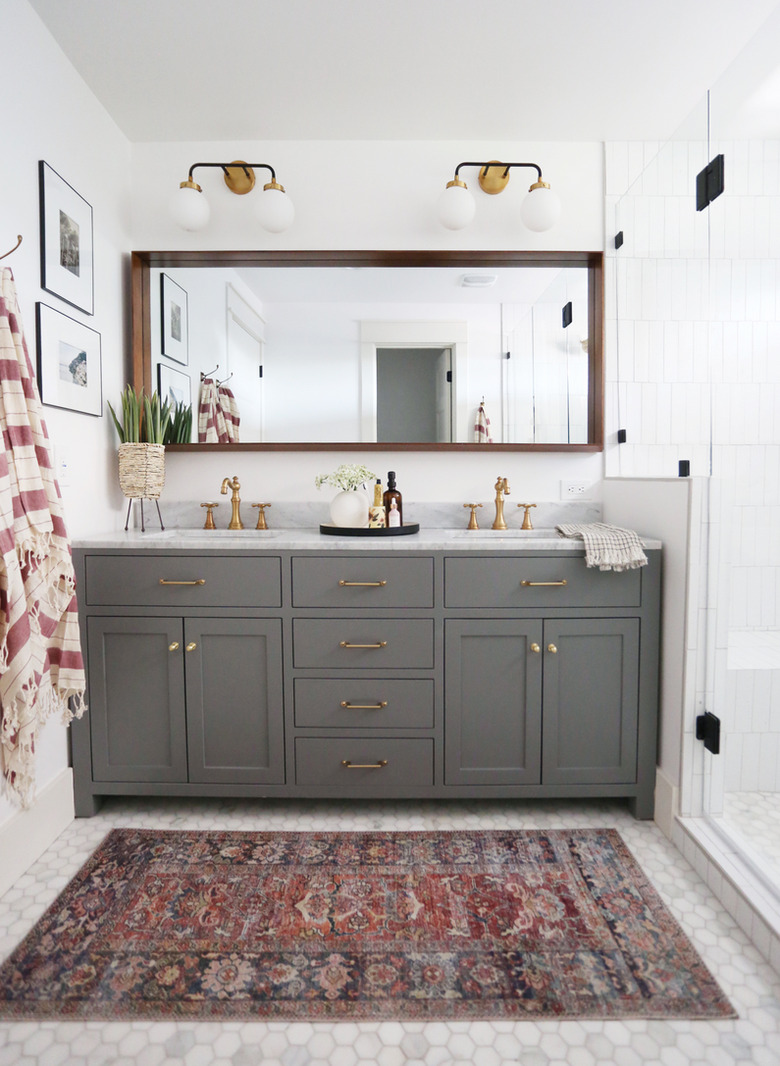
(235,716)
(136,699)
(493,685)
(591,701)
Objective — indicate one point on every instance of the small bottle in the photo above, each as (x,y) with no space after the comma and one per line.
(393,515)
(376,512)
(391,493)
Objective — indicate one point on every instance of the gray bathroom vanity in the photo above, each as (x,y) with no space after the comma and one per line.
(441,665)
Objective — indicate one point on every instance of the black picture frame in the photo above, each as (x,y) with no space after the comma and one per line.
(67,241)
(173,385)
(174,321)
(70,362)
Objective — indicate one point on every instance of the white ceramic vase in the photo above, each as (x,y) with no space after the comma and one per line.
(349,509)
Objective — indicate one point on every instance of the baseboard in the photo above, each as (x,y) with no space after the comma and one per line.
(25,836)
(667,800)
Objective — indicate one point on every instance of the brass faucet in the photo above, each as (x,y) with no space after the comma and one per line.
(235,500)
(502,489)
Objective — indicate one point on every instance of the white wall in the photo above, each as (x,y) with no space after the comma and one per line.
(51,115)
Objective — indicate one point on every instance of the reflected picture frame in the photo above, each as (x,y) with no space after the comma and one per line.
(174,321)
(70,363)
(173,385)
(67,241)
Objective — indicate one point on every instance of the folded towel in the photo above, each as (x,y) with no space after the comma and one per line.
(607,547)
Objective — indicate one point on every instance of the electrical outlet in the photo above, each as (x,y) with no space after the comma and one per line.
(574,490)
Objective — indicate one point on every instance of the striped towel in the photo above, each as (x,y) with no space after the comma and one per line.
(229,408)
(41,668)
(482,427)
(211,418)
(607,547)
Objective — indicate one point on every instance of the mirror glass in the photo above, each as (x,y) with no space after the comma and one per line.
(437,353)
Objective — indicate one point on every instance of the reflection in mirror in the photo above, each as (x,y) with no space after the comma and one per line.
(348,353)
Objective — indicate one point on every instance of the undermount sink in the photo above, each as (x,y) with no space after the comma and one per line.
(501,534)
(219,534)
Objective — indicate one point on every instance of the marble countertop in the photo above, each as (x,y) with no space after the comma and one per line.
(308,539)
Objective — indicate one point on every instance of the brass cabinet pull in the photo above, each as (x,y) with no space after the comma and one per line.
(364,765)
(174,646)
(197,581)
(362,584)
(363,706)
(346,644)
(552,649)
(535,648)
(544,584)
(191,646)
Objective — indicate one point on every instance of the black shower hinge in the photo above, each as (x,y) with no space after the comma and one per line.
(619,239)
(710,182)
(449,376)
(260,371)
(567,315)
(708,730)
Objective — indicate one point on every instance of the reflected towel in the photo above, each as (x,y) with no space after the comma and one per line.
(607,547)
(229,409)
(482,427)
(212,428)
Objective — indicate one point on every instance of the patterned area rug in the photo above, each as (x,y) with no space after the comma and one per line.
(375,925)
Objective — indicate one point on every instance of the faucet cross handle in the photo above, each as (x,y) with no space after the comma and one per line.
(473,517)
(209,524)
(527,516)
(261,522)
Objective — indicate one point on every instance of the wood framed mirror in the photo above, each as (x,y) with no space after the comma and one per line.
(541,377)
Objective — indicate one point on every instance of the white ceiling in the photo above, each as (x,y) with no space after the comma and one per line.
(462,70)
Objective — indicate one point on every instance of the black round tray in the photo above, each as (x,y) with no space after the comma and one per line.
(365,531)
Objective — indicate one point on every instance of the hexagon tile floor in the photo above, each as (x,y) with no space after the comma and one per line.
(751,984)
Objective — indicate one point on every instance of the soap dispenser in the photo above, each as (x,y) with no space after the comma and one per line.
(392,493)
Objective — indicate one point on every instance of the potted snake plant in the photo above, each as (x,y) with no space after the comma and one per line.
(142,432)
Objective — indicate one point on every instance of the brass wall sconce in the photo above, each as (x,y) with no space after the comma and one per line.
(456,206)
(273,208)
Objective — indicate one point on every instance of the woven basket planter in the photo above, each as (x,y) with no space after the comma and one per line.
(142,470)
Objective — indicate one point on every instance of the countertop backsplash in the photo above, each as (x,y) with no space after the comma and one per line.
(308,515)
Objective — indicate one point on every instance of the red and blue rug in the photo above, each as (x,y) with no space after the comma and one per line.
(462,925)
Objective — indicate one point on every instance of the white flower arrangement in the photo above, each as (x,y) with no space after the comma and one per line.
(347,477)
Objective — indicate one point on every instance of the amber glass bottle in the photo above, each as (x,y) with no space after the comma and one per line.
(391,493)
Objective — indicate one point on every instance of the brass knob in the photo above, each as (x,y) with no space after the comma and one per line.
(191,646)
(174,646)
(552,649)
(535,648)
(261,522)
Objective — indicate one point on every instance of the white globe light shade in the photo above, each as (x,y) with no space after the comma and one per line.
(274,209)
(455,207)
(190,208)
(541,209)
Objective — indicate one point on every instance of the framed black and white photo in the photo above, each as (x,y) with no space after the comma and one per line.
(173,385)
(70,371)
(173,304)
(67,245)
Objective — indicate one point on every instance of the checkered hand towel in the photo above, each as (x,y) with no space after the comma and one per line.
(607,547)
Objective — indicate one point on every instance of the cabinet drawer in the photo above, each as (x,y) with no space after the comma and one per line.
(350,704)
(408,764)
(206,581)
(366,580)
(363,643)
(551,581)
